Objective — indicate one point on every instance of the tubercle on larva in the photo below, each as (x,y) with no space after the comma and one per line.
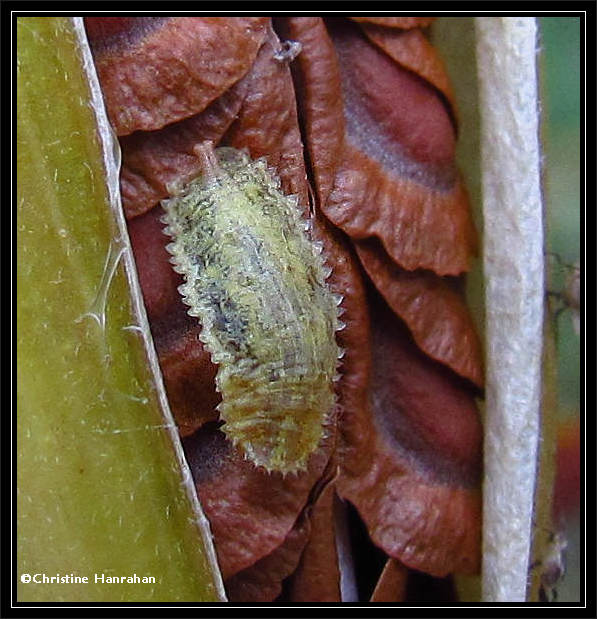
(257,283)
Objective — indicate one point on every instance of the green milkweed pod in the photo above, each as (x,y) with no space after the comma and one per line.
(257,284)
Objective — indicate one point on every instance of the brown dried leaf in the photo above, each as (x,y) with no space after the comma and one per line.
(419,227)
(434,311)
(415,475)
(317,82)
(158,280)
(390,102)
(158,70)
(346,279)
(397,180)
(262,582)
(186,366)
(413,51)
(317,578)
(250,511)
(391,586)
(151,161)
(267,123)
(189,377)
(397,22)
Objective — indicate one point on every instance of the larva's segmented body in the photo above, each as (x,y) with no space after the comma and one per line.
(257,284)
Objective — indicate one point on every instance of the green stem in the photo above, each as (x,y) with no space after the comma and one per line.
(103,488)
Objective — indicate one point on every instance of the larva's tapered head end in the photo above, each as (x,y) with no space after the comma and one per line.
(206,154)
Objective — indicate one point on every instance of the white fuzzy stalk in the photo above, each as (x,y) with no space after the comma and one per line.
(514,277)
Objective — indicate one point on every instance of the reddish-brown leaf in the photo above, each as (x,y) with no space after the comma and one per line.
(158,70)
(398,22)
(262,582)
(189,377)
(397,180)
(414,476)
(267,123)
(391,586)
(432,308)
(382,99)
(419,227)
(187,369)
(250,511)
(317,578)
(414,52)
(346,279)
(158,280)
(317,81)
(101,30)
(567,487)
(153,160)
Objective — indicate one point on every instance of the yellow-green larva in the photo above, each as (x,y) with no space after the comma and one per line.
(256,282)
